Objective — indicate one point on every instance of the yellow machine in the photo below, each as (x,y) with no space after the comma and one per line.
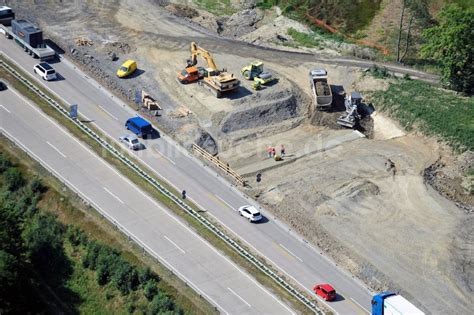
(219,81)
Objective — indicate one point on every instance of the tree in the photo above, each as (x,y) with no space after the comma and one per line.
(451,43)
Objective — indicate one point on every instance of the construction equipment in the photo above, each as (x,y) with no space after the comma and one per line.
(219,81)
(321,89)
(351,116)
(254,71)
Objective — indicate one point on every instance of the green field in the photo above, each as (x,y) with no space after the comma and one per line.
(434,111)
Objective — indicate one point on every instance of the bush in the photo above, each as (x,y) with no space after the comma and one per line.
(13,179)
(150,289)
(4,163)
(161,303)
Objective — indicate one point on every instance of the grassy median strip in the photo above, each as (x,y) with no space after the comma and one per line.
(74,286)
(143,184)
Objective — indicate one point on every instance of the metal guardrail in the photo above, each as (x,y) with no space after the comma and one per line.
(210,226)
(219,163)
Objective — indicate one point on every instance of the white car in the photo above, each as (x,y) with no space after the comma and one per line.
(131,142)
(45,71)
(251,213)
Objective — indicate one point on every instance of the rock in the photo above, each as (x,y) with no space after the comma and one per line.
(207,142)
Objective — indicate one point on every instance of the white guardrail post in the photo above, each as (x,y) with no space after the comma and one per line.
(228,240)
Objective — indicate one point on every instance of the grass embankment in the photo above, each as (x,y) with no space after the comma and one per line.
(433,111)
(217,7)
(56,259)
(152,191)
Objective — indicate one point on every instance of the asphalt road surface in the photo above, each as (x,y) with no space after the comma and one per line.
(181,249)
(271,239)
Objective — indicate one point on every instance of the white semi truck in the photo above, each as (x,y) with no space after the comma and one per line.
(388,303)
(25,34)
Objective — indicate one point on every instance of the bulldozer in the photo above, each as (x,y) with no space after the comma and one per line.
(254,71)
(219,81)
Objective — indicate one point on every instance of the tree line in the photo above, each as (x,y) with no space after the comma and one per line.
(33,260)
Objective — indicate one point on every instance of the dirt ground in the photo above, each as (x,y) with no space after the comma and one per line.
(365,196)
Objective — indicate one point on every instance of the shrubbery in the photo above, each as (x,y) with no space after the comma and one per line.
(32,252)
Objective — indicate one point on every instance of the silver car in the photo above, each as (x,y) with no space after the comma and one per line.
(131,142)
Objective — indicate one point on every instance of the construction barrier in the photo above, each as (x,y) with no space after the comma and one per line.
(219,163)
(177,200)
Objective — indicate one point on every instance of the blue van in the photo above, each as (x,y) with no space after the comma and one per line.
(139,126)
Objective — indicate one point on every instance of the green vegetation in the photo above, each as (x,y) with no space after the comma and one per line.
(345,15)
(152,191)
(217,7)
(303,39)
(49,267)
(451,43)
(431,110)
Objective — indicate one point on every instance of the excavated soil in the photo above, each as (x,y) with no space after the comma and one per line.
(363,201)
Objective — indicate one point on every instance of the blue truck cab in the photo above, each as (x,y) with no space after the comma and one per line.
(139,126)
(389,303)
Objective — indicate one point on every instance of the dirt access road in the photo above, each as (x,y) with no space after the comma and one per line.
(389,229)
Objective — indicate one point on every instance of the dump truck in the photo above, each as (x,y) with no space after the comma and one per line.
(321,89)
(218,81)
(389,303)
(29,37)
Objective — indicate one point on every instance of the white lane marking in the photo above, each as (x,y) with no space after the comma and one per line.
(113,195)
(174,244)
(289,251)
(167,211)
(56,149)
(85,197)
(106,111)
(358,304)
(154,149)
(228,205)
(5,109)
(239,297)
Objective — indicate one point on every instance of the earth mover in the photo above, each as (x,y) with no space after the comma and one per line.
(218,81)
(254,71)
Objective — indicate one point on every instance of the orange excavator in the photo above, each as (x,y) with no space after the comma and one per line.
(218,81)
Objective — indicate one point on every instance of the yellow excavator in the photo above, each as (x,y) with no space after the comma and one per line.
(219,81)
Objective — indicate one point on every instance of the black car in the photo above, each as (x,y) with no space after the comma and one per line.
(3,86)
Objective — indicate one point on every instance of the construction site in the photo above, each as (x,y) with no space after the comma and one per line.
(350,180)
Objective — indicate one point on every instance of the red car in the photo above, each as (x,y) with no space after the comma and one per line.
(326,291)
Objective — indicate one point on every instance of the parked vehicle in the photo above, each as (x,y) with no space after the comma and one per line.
(3,86)
(6,15)
(322,93)
(189,75)
(139,126)
(326,291)
(251,213)
(389,303)
(27,36)
(131,142)
(45,71)
(127,68)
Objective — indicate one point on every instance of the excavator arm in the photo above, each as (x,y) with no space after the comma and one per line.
(198,51)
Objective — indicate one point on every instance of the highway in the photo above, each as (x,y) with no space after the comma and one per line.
(272,240)
(184,252)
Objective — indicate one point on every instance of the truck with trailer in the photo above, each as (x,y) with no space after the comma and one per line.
(389,303)
(322,93)
(27,36)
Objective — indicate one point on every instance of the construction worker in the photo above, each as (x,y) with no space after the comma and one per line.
(269,151)
(282,150)
(273,151)
(183,194)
